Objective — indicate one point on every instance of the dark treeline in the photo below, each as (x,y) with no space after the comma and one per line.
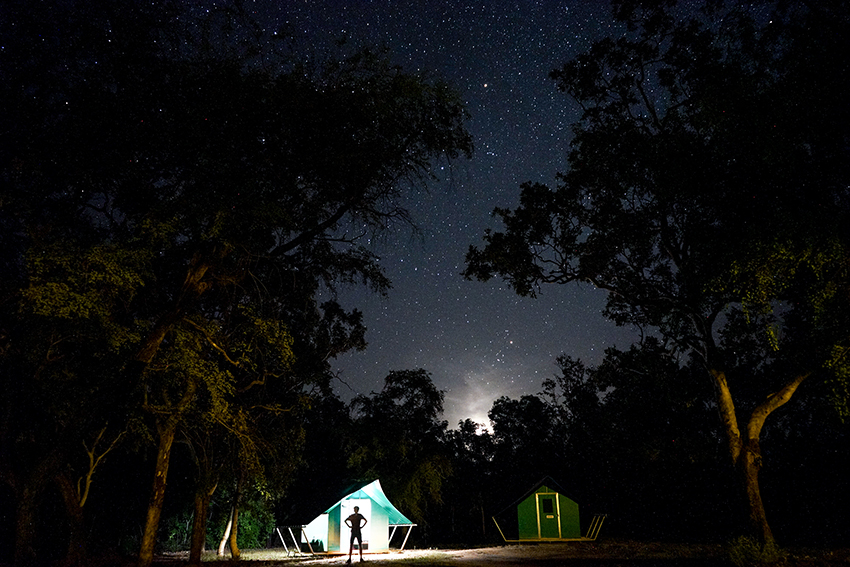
(624,438)
(184,191)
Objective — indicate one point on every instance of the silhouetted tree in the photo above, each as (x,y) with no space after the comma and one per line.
(400,438)
(188,204)
(643,446)
(468,500)
(707,193)
(528,441)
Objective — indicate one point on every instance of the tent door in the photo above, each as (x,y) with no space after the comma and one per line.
(548,515)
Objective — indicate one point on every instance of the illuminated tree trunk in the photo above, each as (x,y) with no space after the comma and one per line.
(745,450)
(234,531)
(226,536)
(749,463)
(231,531)
(199,523)
(163,456)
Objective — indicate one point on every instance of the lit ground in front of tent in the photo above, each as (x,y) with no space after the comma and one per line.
(599,554)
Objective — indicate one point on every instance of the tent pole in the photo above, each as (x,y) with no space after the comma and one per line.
(407,535)
(295,540)
(280,535)
(503,534)
(595,526)
(309,545)
(500,529)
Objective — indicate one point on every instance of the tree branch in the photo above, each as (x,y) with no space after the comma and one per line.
(773,402)
(726,406)
(94,461)
(213,343)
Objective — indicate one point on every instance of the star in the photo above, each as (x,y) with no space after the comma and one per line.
(432,318)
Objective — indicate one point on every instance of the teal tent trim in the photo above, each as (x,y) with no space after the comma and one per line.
(374,491)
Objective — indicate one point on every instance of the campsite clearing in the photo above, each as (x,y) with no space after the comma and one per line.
(602,553)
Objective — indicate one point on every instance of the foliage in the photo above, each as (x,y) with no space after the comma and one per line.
(526,431)
(633,460)
(840,391)
(684,199)
(179,202)
(93,285)
(747,552)
(256,522)
(400,436)
(466,501)
(183,205)
(176,532)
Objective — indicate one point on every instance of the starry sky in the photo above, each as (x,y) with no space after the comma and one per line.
(478,340)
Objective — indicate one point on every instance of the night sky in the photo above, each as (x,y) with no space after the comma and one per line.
(478,340)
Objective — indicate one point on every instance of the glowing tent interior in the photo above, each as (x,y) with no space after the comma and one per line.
(327,531)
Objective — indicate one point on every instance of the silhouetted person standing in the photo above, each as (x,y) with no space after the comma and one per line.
(354,522)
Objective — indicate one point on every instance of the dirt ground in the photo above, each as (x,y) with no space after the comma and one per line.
(603,553)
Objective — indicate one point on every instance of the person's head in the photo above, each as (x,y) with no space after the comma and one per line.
(356,509)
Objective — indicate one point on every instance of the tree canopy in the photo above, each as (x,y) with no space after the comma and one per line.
(707,193)
(400,437)
(182,211)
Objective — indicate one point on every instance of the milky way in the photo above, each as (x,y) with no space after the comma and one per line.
(478,340)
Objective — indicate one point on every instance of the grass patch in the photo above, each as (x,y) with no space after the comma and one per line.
(747,552)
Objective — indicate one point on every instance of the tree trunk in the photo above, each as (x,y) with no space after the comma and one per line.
(25,517)
(76,553)
(235,554)
(26,510)
(746,451)
(192,288)
(232,530)
(749,463)
(163,456)
(199,524)
(226,536)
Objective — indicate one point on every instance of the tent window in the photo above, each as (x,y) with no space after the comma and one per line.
(547,506)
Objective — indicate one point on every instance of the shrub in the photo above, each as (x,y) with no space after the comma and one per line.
(746,552)
(175,532)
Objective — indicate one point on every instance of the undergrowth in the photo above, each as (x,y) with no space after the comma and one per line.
(748,552)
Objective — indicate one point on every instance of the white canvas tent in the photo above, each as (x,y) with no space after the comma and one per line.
(328,530)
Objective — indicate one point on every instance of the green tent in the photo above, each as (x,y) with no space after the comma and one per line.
(543,513)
